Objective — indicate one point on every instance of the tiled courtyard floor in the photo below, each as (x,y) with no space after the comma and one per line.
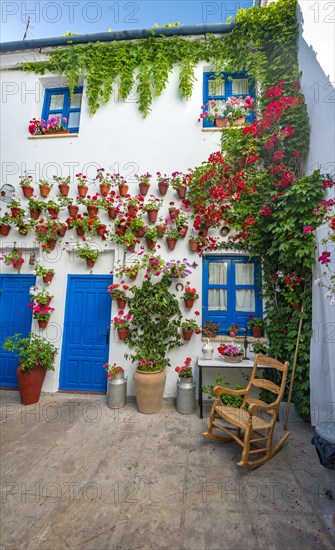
(77,475)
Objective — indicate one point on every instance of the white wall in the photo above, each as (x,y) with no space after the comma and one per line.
(118,138)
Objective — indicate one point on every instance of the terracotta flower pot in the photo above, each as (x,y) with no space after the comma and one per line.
(133,277)
(221,122)
(61,232)
(112,213)
(24,230)
(123,190)
(51,244)
(82,191)
(101,230)
(47,303)
(189,303)
(121,303)
(171,243)
(30,384)
(163,187)
(27,191)
(152,215)
(89,262)
(44,190)
(187,335)
(203,231)
(92,211)
(257,332)
(48,278)
(297,307)
(35,214)
(140,232)
(80,232)
(64,189)
(150,244)
(15,211)
(183,231)
(104,189)
(173,214)
(122,333)
(121,230)
(4,230)
(161,230)
(42,324)
(73,210)
(132,210)
(131,247)
(144,188)
(181,191)
(53,213)
(17,265)
(193,245)
(149,389)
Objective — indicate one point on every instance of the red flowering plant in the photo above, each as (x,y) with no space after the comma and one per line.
(13,258)
(82,180)
(39,127)
(41,312)
(150,366)
(94,200)
(230,349)
(112,370)
(190,324)
(103,177)
(290,286)
(190,293)
(46,230)
(122,320)
(83,222)
(232,109)
(116,291)
(186,370)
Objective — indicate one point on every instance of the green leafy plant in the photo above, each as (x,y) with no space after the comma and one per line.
(40,295)
(33,350)
(228,400)
(260,348)
(41,271)
(256,322)
(87,251)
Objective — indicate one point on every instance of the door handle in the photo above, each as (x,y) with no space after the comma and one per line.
(107,335)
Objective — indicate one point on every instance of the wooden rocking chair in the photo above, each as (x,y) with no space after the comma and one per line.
(255,419)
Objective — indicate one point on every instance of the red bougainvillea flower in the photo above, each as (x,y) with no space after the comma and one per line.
(308,229)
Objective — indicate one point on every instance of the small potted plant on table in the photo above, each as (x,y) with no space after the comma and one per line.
(256,324)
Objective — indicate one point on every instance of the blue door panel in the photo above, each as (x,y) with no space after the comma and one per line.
(15,317)
(85,346)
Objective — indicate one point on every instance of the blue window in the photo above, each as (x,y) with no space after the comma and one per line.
(57,101)
(220,89)
(231,290)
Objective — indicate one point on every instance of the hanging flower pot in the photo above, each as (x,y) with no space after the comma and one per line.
(173,212)
(27,191)
(193,245)
(131,248)
(90,263)
(152,215)
(46,304)
(48,278)
(82,191)
(53,213)
(181,191)
(171,243)
(257,332)
(132,276)
(73,210)
(189,303)
(44,190)
(30,384)
(104,189)
(42,324)
(15,211)
(121,230)
(221,122)
(121,303)
(92,211)
(80,232)
(122,333)
(140,232)
(101,230)
(144,188)
(161,230)
(163,187)
(17,265)
(203,231)
(150,244)
(123,189)
(51,245)
(35,214)
(183,231)
(4,229)
(23,230)
(61,231)
(149,389)
(112,213)
(187,335)
(64,189)
(132,210)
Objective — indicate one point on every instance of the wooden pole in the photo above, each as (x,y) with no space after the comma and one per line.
(293,370)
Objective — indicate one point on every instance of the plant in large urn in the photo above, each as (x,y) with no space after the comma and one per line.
(37,356)
(154,331)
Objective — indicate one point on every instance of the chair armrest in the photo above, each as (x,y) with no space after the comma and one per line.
(253,408)
(220,390)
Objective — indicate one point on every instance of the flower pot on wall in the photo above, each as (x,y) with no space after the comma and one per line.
(92,211)
(122,333)
(149,389)
(51,244)
(104,189)
(82,191)
(48,278)
(44,190)
(53,213)
(152,215)
(42,324)
(203,231)
(64,189)
(17,265)
(30,384)
(193,245)
(73,210)
(189,303)
(221,122)
(121,303)
(132,210)
(171,243)
(4,229)
(61,232)
(112,213)
(161,230)
(15,211)
(35,214)
(123,190)
(163,187)
(144,188)
(131,247)
(27,191)
(80,232)
(183,231)
(181,191)
(187,335)
(150,244)
(101,230)
(90,263)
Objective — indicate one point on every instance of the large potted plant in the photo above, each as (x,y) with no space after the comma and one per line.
(37,356)
(154,331)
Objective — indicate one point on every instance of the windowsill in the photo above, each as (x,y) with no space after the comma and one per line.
(237,339)
(215,129)
(52,136)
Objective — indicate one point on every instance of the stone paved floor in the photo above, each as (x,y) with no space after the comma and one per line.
(77,475)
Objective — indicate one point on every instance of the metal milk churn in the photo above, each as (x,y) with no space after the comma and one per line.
(185,395)
(117,391)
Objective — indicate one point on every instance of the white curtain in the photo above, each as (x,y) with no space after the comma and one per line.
(322,369)
(217,273)
(240,86)
(217,299)
(245,298)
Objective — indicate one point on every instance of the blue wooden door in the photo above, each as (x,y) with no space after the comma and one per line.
(15,317)
(86,333)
